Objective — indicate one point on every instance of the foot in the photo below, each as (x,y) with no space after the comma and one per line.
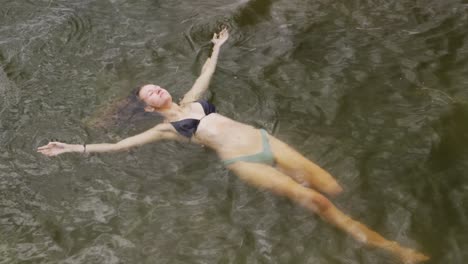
(409,256)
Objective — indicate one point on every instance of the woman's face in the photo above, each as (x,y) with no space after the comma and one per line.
(155,96)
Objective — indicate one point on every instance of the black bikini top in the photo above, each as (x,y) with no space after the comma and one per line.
(188,127)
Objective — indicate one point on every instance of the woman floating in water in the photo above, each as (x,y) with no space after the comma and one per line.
(252,154)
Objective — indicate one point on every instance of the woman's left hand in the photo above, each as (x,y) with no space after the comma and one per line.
(220,38)
(54,149)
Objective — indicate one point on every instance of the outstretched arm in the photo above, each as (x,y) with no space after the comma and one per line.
(202,82)
(159,132)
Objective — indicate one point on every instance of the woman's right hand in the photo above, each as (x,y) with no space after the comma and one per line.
(220,38)
(54,149)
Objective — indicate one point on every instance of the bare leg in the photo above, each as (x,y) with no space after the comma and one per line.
(301,169)
(267,177)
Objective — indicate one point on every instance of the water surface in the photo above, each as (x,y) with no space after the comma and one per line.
(373,91)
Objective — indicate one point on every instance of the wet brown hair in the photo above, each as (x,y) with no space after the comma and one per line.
(121,111)
(137,90)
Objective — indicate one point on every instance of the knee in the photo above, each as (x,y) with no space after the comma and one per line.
(333,189)
(321,203)
(315,202)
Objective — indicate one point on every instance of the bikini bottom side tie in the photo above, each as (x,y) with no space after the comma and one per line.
(265,156)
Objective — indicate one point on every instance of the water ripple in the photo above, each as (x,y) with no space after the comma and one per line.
(374,91)
(9,93)
(78,26)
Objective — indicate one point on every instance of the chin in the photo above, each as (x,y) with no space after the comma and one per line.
(167,103)
(168,99)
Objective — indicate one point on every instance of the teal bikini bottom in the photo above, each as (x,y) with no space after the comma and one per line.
(265,156)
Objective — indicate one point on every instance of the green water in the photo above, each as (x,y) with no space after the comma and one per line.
(373,91)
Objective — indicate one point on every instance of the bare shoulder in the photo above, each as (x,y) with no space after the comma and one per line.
(168,132)
(164,127)
(187,104)
(186,100)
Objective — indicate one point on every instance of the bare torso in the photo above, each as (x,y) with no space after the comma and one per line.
(229,138)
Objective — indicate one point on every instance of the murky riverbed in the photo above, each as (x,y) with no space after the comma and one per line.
(376,92)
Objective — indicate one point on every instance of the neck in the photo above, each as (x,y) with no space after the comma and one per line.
(170,112)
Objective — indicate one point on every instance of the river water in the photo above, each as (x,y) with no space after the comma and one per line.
(374,91)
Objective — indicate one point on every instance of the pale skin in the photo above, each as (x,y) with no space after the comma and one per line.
(293,175)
